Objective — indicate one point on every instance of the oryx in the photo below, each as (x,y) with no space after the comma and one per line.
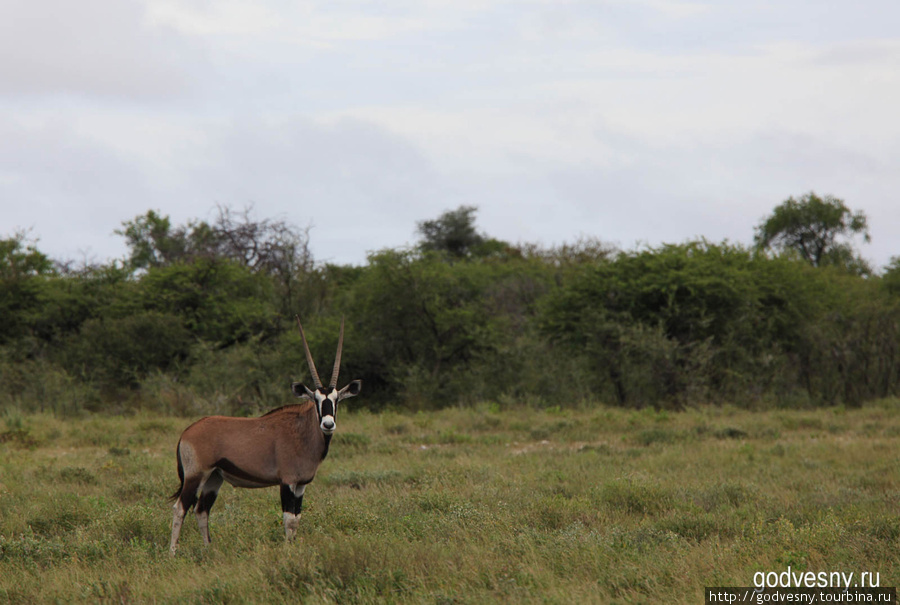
(283,447)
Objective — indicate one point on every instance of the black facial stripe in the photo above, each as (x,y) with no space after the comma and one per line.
(327,407)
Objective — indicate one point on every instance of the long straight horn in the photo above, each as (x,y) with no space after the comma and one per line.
(309,359)
(337,357)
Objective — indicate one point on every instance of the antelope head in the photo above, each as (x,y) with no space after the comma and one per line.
(325,398)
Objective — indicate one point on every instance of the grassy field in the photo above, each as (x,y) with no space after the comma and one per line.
(462,506)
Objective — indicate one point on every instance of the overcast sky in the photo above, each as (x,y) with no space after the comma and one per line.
(634,121)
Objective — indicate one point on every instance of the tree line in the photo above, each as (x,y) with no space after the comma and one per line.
(199,318)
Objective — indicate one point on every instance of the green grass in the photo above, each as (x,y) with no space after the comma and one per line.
(461,506)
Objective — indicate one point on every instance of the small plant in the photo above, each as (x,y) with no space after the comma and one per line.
(17,431)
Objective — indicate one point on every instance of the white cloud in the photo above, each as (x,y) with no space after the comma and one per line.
(92,47)
(631,120)
(677,8)
(321,25)
(202,18)
(349,179)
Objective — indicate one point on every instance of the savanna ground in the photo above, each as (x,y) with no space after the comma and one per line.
(461,506)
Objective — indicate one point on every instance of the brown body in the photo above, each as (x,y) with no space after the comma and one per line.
(283,447)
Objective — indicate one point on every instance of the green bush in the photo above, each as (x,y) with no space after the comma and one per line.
(207,331)
(121,351)
(702,322)
(217,300)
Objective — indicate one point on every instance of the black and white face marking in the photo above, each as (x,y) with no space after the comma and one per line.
(326,400)
(326,405)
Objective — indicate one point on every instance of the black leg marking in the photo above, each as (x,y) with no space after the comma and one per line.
(290,503)
(188,495)
(209,492)
(205,502)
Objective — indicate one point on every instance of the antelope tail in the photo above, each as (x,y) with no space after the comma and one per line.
(177,493)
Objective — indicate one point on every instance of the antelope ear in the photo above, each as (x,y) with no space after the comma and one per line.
(351,390)
(300,390)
